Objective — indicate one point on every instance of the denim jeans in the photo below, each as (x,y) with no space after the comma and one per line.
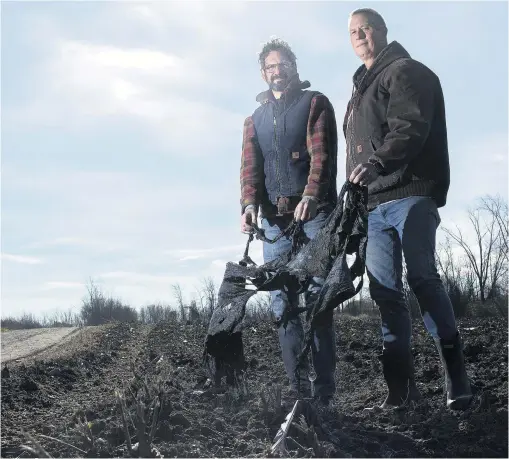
(407,227)
(291,339)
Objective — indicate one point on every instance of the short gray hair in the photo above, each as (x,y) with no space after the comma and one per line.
(378,21)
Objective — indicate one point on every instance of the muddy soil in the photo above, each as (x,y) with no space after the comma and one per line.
(80,403)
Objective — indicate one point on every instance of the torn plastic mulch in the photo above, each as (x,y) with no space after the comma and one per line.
(344,233)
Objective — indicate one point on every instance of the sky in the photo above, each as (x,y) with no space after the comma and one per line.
(122,128)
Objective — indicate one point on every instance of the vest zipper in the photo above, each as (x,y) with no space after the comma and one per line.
(276,150)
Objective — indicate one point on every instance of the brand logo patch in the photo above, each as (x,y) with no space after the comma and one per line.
(295,155)
(359,148)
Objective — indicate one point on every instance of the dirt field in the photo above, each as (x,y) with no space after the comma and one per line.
(65,397)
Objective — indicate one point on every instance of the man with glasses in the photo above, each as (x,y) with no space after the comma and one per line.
(288,171)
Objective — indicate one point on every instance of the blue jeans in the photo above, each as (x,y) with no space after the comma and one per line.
(291,338)
(407,227)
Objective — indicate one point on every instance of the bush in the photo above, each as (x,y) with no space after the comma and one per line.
(26,321)
(155,313)
(488,309)
(98,310)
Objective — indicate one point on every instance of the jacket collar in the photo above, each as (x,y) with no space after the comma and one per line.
(363,77)
(294,85)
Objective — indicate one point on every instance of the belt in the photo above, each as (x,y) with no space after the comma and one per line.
(286,204)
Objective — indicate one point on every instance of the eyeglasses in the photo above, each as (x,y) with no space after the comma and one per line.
(271,68)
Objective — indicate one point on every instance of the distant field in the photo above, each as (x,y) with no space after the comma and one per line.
(23,343)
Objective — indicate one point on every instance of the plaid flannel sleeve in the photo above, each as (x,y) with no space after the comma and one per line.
(322,141)
(250,167)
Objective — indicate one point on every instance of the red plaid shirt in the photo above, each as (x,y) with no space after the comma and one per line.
(321,143)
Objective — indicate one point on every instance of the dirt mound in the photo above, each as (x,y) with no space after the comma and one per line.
(80,404)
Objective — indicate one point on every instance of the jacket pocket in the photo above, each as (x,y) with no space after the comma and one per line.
(299,154)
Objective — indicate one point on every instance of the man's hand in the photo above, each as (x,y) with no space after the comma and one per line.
(248,218)
(364,174)
(306,209)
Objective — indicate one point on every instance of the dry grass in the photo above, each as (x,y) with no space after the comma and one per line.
(140,412)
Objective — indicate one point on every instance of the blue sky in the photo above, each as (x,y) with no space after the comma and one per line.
(122,128)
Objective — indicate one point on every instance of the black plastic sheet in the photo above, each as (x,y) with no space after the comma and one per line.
(344,233)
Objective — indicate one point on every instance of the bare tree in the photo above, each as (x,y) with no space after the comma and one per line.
(457,276)
(258,306)
(498,209)
(179,297)
(488,255)
(143,316)
(208,296)
(194,313)
(97,309)
(155,313)
(446,263)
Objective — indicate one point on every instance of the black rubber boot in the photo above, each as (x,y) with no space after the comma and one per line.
(399,374)
(457,384)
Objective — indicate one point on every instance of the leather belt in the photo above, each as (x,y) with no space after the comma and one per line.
(286,205)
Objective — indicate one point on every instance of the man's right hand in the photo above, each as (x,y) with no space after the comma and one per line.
(248,218)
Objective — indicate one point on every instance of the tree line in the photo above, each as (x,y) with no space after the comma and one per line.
(474,272)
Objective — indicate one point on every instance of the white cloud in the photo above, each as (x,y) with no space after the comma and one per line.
(63,285)
(231,26)
(140,288)
(85,82)
(107,57)
(219,263)
(469,179)
(499,158)
(118,210)
(190,257)
(22,259)
(73,241)
(194,254)
(133,277)
(170,91)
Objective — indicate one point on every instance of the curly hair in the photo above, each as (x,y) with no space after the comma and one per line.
(276,44)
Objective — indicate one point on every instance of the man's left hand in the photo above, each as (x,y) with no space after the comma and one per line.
(364,174)
(306,209)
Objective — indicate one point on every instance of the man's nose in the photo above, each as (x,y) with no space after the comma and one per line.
(277,69)
(361,35)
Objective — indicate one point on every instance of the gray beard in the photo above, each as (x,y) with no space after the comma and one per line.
(279,86)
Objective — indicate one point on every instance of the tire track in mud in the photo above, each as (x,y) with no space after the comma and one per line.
(51,396)
(30,346)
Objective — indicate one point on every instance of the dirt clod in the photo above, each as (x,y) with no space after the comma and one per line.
(29,385)
(178,419)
